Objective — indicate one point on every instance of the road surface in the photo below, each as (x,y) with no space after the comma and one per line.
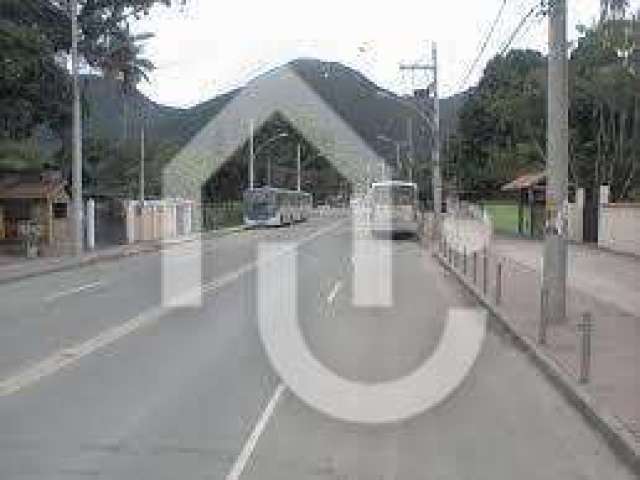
(97,381)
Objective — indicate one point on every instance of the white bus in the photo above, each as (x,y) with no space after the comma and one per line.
(269,206)
(394,208)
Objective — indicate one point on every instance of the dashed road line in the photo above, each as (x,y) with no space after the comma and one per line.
(72,291)
(334,292)
(62,358)
(250,445)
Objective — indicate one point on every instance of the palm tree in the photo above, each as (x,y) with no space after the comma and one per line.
(122,61)
(612,8)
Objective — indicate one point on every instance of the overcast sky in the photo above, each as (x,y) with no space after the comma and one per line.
(212,46)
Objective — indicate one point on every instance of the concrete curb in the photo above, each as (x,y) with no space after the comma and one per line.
(61,265)
(619,439)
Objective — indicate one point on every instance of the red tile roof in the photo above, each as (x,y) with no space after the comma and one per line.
(30,189)
(525,181)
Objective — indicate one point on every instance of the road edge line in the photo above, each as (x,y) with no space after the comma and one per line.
(615,434)
(51,364)
(96,258)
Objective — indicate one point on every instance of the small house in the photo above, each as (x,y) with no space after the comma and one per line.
(37,200)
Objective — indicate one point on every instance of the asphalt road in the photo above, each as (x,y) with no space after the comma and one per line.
(97,381)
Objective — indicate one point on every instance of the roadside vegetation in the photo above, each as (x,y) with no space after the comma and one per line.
(502,121)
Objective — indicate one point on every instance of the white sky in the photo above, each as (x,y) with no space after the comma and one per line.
(212,46)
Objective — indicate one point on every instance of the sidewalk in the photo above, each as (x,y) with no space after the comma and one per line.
(13,268)
(603,283)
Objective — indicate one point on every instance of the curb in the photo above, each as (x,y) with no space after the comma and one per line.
(91,259)
(610,427)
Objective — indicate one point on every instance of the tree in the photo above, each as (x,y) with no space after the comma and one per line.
(123,62)
(35,39)
(501,128)
(34,84)
(605,117)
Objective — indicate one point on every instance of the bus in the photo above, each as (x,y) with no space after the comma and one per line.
(269,206)
(394,208)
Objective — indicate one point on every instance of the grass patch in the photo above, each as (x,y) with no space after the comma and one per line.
(505,216)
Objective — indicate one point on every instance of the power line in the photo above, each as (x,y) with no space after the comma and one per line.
(483,47)
(535,8)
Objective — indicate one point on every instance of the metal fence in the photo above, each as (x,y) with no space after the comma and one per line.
(213,216)
(598,343)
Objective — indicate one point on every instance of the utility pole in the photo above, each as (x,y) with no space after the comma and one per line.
(555,246)
(410,145)
(435,144)
(76,165)
(299,162)
(251,155)
(142,166)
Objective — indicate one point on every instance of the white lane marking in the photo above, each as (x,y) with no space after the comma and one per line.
(72,291)
(67,356)
(334,292)
(252,441)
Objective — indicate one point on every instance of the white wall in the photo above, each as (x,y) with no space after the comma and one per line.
(575,217)
(619,227)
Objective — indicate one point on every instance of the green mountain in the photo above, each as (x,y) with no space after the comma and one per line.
(113,122)
(369,109)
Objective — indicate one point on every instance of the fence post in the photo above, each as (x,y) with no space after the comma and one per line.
(542,330)
(498,283)
(485,265)
(585,329)
(464,260)
(475,267)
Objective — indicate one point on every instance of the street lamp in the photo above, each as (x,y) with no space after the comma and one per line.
(433,125)
(412,106)
(269,141)
(398,145)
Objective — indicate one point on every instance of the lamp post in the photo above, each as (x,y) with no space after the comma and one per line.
(268,142)
(398,146)
(432,123)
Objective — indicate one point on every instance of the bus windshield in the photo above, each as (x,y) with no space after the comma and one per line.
(394,195)
(258,203)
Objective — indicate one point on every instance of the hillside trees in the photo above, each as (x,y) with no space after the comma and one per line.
(502,129)
(34,48)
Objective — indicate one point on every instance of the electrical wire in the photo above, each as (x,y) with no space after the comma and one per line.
(536,8)
(483,46)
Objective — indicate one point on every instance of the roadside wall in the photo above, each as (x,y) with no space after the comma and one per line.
(618,225)
(157,219)
(575,217)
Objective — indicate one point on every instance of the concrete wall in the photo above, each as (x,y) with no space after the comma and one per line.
(157,220)
(619,226)
(575,217)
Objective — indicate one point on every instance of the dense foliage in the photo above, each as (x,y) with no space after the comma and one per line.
(35,40)
(502,123)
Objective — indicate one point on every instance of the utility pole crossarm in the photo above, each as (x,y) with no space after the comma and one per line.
(435,125)
(417,66)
